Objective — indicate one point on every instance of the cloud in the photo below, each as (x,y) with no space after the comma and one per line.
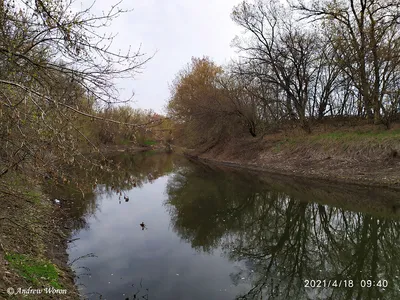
(177,30)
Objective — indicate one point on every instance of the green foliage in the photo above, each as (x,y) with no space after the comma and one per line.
(34,270)
(358,135)
(149,142)
(34,196)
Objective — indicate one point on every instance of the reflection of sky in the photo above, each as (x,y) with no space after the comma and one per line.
(279,239)
(155,255)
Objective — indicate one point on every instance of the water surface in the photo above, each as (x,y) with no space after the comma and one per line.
(221,234)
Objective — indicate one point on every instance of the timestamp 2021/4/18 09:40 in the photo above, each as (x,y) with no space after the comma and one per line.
(345,283)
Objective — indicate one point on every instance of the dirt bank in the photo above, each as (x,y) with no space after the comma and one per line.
(35,233)
(33,241)
(361,155)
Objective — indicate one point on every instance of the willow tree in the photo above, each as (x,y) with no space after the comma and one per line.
(211,104)
(196,102)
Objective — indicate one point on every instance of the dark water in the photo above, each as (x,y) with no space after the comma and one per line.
(223,234)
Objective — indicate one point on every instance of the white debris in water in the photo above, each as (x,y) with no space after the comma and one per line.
(177,274)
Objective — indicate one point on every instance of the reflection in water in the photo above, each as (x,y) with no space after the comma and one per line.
(129,171)
(284,241)
(218,234)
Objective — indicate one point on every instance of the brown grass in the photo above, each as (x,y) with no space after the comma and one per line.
(31,226)
(362,153)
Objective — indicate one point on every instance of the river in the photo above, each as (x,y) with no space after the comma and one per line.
(168,228)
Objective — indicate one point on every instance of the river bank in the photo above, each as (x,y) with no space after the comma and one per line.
(35,233)
(34,236)
(363,155)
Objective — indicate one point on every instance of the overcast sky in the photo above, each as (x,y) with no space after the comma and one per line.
(177,30)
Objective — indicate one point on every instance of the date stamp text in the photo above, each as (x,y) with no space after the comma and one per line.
(345,283)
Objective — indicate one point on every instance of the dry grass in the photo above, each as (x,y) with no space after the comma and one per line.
(31,233)
(364,153)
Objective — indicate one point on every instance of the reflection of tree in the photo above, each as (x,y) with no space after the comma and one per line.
(191,194)
(129,171)
(284,241)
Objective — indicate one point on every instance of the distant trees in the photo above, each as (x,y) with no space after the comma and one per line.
(195,101)
(211,103)
(302,62)
(123,133)
(242,102)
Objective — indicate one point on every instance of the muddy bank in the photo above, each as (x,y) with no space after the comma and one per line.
(377,201)
(351,157)
(35,232)
(34,236)
(105,149)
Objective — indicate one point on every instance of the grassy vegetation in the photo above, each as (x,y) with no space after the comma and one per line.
(149,153)
(357,135)
(29,231)
(36,271)
(149,142)
(352,137)
(34,196)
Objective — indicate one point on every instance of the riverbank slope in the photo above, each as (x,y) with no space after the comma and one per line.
(34,235)
(366,154)
(35,228)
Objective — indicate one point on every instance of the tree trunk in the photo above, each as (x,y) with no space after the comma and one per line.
(252,129)
(377,113)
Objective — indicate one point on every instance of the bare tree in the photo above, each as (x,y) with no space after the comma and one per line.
(286,53)
(55,65)
(365,36)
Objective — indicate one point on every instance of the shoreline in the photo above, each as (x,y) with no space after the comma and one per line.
(362,161)
(36,232)
(294,175)
(34,237)
(50,223)
(375,200)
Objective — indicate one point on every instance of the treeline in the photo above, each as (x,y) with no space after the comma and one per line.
(148,128)
(298,63)
(58,100)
